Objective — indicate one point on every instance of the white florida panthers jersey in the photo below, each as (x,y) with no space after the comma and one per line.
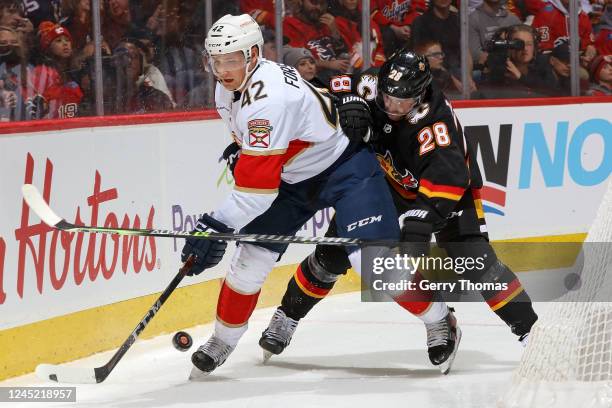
(288,131)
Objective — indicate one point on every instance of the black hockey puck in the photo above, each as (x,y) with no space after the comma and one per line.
(182,341)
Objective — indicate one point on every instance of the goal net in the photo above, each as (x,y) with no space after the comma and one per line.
(568,361)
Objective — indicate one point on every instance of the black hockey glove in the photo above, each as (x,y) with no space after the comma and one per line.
(355,118)
(208,253)
(415,234)
(231,155)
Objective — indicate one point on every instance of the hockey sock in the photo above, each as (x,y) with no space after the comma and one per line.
(303,292)
(518,314)
(233,312)
(421,303)
(512,304)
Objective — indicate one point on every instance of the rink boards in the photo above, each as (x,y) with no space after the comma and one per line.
(68,296)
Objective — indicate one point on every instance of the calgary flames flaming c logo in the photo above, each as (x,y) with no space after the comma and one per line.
(405,179)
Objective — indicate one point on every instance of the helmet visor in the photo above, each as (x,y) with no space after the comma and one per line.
(219,64)
(393,106)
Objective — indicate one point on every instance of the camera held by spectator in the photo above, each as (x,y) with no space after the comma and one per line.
(498,49)
(515,67)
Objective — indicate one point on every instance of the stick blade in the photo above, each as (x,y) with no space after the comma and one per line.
(37,203)
(63,374)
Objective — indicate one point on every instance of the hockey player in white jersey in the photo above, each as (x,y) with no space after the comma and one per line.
(295,160)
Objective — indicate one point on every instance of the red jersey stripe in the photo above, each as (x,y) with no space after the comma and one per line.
(234,308)
(263,171)
(505,296)
(441,188)
(307,287)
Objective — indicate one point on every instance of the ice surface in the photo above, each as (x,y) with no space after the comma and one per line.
(344,354)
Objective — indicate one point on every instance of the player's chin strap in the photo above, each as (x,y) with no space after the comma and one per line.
(249,73)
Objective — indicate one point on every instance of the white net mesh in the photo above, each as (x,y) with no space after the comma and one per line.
(568,361)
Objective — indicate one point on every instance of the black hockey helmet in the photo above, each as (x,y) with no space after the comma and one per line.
(405,75)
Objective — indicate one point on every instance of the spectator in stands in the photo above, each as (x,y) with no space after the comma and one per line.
(38,11)
(269,48)
(445,81)
(560,62)
(302,60)
(14,76)
(348,18)
(202,95)
(440,23)
(524,10)
(551,23)
(262,11)
(603,41)
(314,28)
(78,20)
(520,72)
(196,29)
(487,19)
(55,94)
(601,75)
(12,15)
(177,61)
(117,21)
(135,92)
(83,66)
(394,18)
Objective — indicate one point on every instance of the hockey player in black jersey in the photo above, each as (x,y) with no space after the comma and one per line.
(435,182)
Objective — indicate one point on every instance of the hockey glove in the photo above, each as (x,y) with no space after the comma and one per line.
(208,253)
(415,236)
(355,118)
(231,155)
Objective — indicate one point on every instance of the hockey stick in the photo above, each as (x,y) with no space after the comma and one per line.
(37,203)
(82,375)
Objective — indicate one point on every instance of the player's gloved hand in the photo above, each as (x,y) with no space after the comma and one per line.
(231,155)
(355,117)
(415,235)
(208,253)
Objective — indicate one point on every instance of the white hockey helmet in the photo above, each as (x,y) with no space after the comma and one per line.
(234,33)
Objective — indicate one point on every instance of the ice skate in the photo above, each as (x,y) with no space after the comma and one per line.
(278,334)
(209,356)
(443,338)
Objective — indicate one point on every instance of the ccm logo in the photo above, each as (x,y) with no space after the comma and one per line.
(365,221)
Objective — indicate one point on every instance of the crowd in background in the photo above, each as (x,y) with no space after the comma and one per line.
(152,49)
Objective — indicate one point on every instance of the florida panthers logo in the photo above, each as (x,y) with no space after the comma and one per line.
(259,133)
(404,179)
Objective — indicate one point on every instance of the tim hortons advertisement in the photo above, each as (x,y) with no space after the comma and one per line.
(545,169)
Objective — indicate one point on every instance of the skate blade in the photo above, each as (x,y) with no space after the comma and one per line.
(266,356)
(446,366)
(197,374)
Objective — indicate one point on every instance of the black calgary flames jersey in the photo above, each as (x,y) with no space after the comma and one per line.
(425,155)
